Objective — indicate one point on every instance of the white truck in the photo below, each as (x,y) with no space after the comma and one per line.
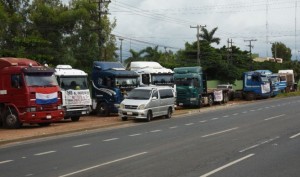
(152,73)
(76,96)
(287,76)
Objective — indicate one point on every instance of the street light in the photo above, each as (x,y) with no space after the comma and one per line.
(121,39)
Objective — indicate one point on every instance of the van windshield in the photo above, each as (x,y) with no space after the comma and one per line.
(40,79)
(139,94)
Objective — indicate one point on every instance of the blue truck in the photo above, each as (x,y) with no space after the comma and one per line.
(276,85)
(256,85)
(110,84)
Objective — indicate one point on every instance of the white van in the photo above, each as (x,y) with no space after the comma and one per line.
(148,102)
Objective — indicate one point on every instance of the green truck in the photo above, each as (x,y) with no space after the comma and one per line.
(192,91)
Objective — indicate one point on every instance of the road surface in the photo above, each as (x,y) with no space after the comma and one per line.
(258,139)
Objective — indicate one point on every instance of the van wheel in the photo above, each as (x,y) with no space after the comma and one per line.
(75,119)
(169,115)
(102,109)
(11,119)
(124,118)
(149,116)
(210,100)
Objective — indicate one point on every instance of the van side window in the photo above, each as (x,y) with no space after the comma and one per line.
(16,81)
(166,93)
(155,94)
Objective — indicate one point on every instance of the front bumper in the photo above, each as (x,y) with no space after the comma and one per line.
(133,113)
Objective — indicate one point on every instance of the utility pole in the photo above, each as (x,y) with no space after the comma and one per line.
(102,4)
(229,50)
(250,47)
(121,59)
(198,41)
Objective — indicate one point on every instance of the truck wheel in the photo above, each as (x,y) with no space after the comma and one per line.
(45,124)
(210,100)
(149,116)
(225,99)
(250,96)
(75,119)
(124,118)
(11,119)
(169,114)
(102,109)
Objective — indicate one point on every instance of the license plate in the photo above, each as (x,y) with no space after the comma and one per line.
(129,113)
(83,112)
(48,117)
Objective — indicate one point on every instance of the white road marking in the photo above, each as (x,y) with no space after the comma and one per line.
(214,118)
(220,132)
(270,118)
(173,127)
(111,139)
(44,153)
(294,136)
(259,109)
(267,107)
(189,124)
(226,116)
(203,121)
(6,161)
(103,164)
(259,144)
(154,131)
(80,145)
(252,110)
(235,114)
(245,112)
(137,134)
(227,165)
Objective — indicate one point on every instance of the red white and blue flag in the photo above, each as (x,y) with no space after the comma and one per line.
(47,95)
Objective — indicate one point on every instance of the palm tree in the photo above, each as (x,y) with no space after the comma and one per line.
(209,36)
(135,56)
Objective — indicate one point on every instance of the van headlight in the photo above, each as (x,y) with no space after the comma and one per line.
(122,106)
(31,109)
(142,106)
(59,107)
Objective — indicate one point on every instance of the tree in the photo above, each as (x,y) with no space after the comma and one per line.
(209,35)
(281,51)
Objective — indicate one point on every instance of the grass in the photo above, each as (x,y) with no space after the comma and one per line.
(290,94)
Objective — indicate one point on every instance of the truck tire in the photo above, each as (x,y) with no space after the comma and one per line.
(124,118)
(250,96)
(11,119)
(75,118)
(102,109)
(149,116)
(210,100)
(225,98)
(169,114)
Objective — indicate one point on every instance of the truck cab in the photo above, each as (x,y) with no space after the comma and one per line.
(29,93)
(110,84)
(274,81)
(152,73)
(256,85)
(76,96)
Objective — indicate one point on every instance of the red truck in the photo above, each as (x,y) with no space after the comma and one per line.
(29,93)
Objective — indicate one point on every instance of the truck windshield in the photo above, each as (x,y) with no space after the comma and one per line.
(75,83)
(184,81)
(264,79)
(139,94)
(162,79)
(125,82)
(40,79)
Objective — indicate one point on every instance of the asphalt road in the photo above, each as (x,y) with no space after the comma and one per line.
(258,139)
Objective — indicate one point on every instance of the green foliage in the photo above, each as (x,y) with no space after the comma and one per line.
(279,50)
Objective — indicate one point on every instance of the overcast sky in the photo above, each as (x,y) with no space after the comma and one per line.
(167,23)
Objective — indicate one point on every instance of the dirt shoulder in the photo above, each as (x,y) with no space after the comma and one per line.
(85,123)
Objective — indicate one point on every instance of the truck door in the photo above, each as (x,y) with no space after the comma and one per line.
(17,91)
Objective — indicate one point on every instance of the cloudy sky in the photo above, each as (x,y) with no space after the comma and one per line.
(167,23)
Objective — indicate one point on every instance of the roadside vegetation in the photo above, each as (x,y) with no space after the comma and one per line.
(54,33)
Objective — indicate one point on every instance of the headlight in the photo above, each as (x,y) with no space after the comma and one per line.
(122,106)
(31,109)
(59,107)
(142,106)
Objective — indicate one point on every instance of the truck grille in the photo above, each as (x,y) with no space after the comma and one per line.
(131,107)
